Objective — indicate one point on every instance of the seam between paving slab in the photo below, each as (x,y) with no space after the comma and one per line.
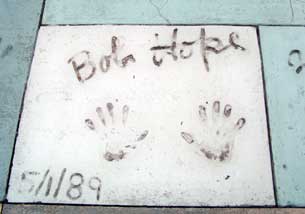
(267,117)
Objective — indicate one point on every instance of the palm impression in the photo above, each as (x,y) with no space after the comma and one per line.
(115,132)
(219,132)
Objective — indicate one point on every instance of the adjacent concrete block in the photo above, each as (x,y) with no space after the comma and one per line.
(283,51)
(18,26)
(174,12)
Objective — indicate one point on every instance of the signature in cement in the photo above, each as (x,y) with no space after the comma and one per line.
(184,50)
(85,68)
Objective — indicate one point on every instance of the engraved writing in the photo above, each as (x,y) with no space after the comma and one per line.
(207,44)
(44,183)
(85,68)
(82,63)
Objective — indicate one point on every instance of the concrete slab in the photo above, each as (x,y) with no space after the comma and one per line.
(19,22)
(282,49)
(144,115)
(174,12)
(55,209)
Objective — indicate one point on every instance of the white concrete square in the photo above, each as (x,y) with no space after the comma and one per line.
(105,122)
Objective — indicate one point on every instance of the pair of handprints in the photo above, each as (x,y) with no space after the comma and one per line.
(217,144)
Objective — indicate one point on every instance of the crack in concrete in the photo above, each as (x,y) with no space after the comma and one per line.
(292,11)
(159,10)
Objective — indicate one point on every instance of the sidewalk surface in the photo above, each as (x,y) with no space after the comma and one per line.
(157,106)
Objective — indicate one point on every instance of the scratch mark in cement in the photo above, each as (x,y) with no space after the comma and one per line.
(159,10)
(292,11)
